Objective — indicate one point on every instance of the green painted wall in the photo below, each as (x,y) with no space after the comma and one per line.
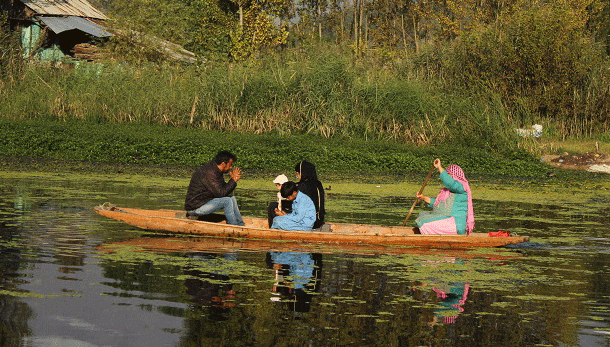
(30,42)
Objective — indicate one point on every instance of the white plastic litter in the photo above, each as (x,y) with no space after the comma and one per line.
(535,131)
(605,168)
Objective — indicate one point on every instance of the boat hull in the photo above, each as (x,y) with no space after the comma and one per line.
(174,221)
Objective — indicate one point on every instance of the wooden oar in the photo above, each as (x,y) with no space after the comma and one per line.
(420,191)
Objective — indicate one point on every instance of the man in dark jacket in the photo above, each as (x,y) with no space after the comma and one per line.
(208,192)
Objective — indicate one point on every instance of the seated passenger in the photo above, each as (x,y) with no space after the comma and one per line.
(312,187)
(281,203)
(303,214)
(208,192)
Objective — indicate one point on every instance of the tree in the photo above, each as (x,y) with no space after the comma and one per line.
(337,19)
(257,29)
(599,21)
(540,57)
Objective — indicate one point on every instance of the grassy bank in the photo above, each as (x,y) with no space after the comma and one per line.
(157,147)
(534,62)
(326,96)
(313,90)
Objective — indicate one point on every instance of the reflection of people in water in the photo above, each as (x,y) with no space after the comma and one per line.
(452,302)
(208,289)
(297,275)
(451,295)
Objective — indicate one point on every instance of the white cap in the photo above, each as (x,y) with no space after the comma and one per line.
(281,179)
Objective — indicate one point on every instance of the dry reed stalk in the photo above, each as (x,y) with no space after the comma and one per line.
(76,110)
(326,131)
(408,135)
(193,110)
(396,128)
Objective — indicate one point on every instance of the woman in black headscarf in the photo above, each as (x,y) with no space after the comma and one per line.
(312,187)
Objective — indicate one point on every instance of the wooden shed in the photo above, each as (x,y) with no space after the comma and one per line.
(52,30)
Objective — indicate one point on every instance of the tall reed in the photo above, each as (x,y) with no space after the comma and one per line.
(325,93)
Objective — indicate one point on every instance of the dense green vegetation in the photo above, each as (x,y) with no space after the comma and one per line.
(323,95)
(542,61)
(169,146)
(356,85)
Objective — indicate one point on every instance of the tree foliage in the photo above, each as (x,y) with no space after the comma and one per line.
(402,26)
(256,29)
(540,57)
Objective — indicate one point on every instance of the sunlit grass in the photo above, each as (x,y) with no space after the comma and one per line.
(326,95)
(573,146)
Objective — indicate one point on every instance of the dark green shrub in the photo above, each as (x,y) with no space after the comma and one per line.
(542,62)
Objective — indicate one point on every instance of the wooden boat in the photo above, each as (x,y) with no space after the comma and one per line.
(174,221)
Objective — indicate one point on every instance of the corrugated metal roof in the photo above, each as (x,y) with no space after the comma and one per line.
(79,8)
(61,24)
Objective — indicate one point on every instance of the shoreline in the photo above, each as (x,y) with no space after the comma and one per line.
(51,146)
(63,166)
(110,147)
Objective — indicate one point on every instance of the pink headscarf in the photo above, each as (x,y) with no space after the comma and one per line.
(457,174)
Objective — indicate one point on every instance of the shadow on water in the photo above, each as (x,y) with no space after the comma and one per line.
(527,245)
(210,290)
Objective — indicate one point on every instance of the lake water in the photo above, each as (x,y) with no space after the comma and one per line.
(69,277)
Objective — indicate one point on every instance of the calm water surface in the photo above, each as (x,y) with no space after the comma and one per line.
(69,277)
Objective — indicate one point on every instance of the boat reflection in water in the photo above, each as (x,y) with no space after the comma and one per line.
(297,276)
(210,289)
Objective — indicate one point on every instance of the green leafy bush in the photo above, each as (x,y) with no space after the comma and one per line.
(136,143)
(543,63)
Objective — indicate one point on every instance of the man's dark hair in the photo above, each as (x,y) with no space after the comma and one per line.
(224,157)
(288,188)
